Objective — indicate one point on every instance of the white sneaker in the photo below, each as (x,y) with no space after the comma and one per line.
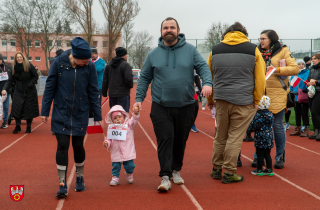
(177,178)
(165,184)
(203,108)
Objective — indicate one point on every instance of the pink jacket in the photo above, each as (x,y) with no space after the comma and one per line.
(122,150)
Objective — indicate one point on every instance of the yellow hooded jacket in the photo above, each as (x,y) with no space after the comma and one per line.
(235,38)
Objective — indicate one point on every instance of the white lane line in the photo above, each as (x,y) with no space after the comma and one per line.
(303,148)
(185,189)
(19,139)
(285,180)
(70,178)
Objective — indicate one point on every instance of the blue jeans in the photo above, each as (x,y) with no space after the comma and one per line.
(279,135)
(6,109)
(127,165)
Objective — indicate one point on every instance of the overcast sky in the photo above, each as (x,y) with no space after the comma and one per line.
(291,19)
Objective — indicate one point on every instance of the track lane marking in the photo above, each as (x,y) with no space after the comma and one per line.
(185,189)
(20,138)
(283,179)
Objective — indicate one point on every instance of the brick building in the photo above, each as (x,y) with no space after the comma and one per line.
(10,43)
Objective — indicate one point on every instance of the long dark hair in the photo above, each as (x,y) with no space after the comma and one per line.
(272,36)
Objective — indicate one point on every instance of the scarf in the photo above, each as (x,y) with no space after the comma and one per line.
(18,68)
(266,55)
(96,59)
(316,66)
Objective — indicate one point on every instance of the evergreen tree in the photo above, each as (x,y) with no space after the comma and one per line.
(59,28)
(66,27)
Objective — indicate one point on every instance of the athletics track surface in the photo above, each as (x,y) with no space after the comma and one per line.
(29,160)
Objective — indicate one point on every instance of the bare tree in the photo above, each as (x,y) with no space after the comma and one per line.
(18,18)
(117,14)
(214,34)
(48,14)
(127,35)
(141,46)
(81,12)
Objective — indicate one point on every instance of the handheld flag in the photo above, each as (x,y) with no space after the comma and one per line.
(270,72)
(94,127)
(295,81)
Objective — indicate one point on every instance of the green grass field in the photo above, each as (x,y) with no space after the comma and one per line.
(292,119)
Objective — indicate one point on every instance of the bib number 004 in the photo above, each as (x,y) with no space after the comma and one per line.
(117,132)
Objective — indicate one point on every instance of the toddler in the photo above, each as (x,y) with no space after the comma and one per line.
(2,99)
(122,151)
(262,125)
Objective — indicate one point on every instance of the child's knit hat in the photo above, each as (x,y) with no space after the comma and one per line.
(114,114)
(264,103)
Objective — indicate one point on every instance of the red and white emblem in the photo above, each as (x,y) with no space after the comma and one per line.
(16,192)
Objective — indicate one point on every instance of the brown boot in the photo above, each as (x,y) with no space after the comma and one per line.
(305,133)
(296,132)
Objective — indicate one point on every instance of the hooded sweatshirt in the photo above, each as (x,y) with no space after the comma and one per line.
(240,70)
(122,150)
(171,70)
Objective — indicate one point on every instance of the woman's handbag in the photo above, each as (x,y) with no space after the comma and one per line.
(302,97)
(311,91)
(290,99)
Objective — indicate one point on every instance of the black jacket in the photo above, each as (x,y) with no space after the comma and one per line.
(315,74)
(117,78)
(25,97)
(5,68)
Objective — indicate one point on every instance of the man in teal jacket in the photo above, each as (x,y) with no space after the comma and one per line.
(170,67)
(100,65)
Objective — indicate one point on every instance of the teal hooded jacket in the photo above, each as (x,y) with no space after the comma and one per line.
(171,70)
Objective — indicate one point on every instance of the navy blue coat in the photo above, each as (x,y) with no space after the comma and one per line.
(262,125)
(73,91)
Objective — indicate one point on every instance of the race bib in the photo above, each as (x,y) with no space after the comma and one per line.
(4,76)
(117,132)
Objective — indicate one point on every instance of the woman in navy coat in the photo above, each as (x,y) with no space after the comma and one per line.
(72,83)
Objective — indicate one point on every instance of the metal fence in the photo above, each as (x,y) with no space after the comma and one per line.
(298,47)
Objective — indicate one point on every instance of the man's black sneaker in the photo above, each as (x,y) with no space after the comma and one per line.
(80,184)
(16,129)
(4,125)
(63,191)
(279,164)
(216,173)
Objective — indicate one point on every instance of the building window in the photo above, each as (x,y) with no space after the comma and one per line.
(58,43)
(12,42)
(37,58)
(104,44)
(95,43)
(30,58)
(11,58)
(50,43)
(37,43)
(4,58)
(29,43)
(4,43)
(68,43)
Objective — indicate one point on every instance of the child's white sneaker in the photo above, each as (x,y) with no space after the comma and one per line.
(177,178)
(114,181)
(129,178)
(165,184)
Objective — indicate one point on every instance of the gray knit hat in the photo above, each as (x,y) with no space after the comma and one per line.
(300,61)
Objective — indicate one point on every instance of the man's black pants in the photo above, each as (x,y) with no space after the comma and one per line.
(122,101)
(171,127)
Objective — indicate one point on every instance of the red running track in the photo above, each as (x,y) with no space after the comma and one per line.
(29,160)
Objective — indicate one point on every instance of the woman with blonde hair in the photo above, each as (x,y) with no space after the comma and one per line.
(25,98)
(277,56)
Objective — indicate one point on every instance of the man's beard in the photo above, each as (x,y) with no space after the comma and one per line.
(169,39)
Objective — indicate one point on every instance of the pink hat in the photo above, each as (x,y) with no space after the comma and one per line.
(114,114)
